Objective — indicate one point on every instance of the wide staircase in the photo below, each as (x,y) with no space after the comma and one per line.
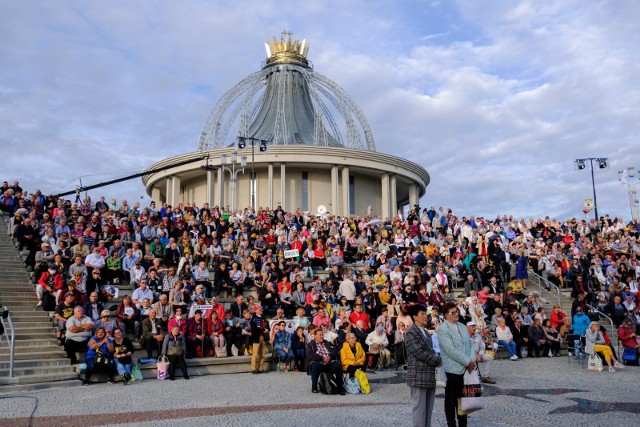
(39,362)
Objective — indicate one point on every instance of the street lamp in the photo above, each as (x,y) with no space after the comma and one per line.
(602,164)
(242,143)
(233,173)
(626,178)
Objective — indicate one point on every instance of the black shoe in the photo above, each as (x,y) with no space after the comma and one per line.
(59,342)
(343,391)
(187,378)
(254,372)
(172,379)
(314,390)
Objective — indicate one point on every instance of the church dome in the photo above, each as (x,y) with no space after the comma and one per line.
(287,103)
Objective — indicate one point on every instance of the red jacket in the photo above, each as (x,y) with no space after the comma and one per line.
(57,281)
(556,319)
(354,317)
(626,338)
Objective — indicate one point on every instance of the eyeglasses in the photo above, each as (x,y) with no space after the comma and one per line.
(455,313)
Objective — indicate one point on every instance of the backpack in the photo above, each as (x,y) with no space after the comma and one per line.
(363,381)
(48,302)
(351,386)
(327,384)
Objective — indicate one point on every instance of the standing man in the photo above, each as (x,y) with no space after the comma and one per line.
(457,356)
(422,361)
(259,331)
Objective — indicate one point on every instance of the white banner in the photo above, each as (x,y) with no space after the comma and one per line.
(293,253)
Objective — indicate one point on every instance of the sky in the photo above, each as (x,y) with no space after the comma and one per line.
(495,99)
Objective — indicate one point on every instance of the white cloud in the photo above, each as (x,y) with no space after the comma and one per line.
(495,99)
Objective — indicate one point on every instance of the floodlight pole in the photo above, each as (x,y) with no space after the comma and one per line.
(242,140)
(603,164)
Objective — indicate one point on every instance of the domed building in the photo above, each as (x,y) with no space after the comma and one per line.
(288,136)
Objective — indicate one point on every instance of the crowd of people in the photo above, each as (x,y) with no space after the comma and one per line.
(341,303)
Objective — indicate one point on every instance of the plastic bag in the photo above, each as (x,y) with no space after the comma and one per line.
(136,374)
(471,399)
(163,368)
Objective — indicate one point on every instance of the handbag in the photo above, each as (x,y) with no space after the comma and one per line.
(136,374)
(101,360)
(163,367)
(471,399)
(176,350)
(594,363)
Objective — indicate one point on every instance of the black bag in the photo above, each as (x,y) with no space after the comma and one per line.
(327,383)
(101,360)
(48,302)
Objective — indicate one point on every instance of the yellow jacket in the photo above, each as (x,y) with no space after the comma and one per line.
(347,358)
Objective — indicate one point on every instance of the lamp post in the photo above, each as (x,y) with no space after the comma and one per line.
(242,143)
(233,173)
(626,178)
(602,164)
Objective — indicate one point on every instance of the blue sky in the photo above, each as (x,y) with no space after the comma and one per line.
(495,99)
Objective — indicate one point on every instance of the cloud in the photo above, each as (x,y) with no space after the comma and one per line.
(495,99)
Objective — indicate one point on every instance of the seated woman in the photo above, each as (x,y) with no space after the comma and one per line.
(100,355)
(352,355)
(298,345)
(378,342)
(553,337)
(123,349)
(497,315)
(505,338)
(628,337)
(595,343)
(215,330)
(128,316)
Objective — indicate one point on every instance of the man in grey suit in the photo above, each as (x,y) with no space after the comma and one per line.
(422,362)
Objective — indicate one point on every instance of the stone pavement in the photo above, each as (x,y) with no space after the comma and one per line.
(532,392)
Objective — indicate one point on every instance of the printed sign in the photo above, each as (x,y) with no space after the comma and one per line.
(293,253)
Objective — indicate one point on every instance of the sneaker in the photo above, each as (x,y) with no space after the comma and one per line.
(611,369)
(550,355)
(39,304)
(569,354)
(59,342)
(380,369)
(488,380)
(514,357)
(618,365)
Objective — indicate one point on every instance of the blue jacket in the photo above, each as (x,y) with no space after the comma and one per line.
(282,339)
(580,323)
(456,347)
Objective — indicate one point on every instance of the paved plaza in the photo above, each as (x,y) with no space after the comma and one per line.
(532,392)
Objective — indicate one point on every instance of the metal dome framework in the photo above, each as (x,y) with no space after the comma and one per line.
(243,103)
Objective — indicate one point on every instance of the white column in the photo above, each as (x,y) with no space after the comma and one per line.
(413,195)
(169,196)
(155,195)
(270,186)
(220,194)
(211,186)
(345,191)
(334,210)
(283,186)
(392,194)
(175,191)
(384,182)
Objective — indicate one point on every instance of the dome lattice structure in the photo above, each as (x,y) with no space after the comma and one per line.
(287,103)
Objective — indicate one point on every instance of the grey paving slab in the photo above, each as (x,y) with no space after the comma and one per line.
(532,392)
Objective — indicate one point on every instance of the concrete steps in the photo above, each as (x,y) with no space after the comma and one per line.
(39,363)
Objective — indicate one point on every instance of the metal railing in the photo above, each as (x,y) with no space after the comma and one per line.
(5,318)
(614,332)
(548,287)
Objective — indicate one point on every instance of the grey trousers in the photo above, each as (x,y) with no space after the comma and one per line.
(422,400)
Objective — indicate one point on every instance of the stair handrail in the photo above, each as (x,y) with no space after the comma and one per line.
(548,286)
(613,329)
(5,318)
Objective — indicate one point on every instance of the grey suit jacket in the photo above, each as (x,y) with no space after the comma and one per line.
(422,361)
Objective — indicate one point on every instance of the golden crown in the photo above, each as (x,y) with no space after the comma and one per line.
(286,50)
